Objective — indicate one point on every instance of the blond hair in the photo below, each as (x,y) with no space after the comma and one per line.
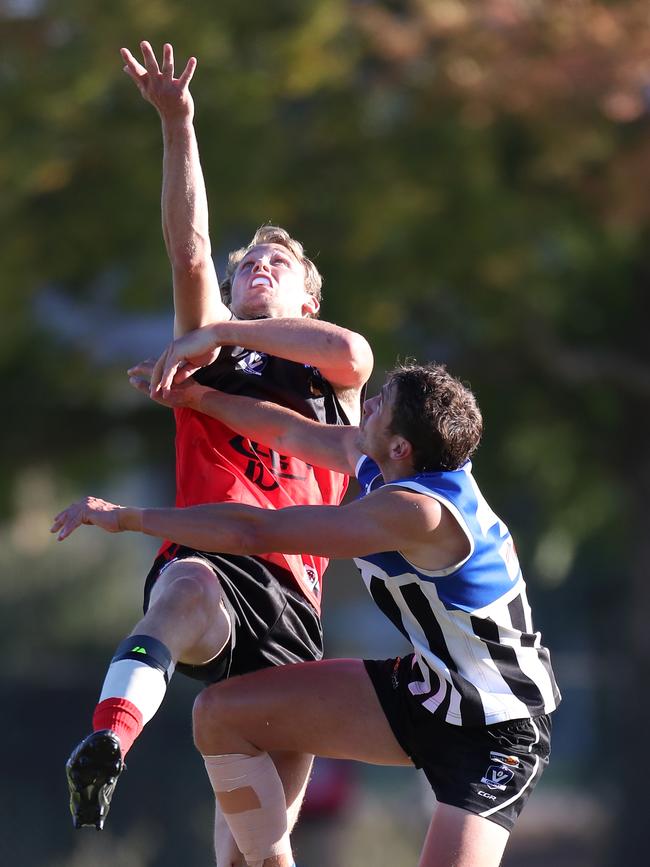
(274,235)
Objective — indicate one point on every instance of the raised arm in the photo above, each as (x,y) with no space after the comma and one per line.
(343,357)
(197,299)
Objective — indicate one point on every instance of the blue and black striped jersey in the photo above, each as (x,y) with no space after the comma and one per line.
(478,659)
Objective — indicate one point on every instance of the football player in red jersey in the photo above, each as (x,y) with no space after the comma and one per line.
(211,615)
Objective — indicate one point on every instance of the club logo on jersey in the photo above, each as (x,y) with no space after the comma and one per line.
(264,466)
(497,777)
(250,361)
(311,577)
(503,759)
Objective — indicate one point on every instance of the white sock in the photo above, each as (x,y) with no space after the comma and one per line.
(252,799)
(143,686)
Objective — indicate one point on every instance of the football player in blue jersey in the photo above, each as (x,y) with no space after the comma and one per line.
(469,705)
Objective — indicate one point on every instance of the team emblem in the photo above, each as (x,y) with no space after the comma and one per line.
(497,777)
(250,361)
(311,575)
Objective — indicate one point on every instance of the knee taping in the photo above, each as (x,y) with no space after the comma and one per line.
(148,651)
(251,797)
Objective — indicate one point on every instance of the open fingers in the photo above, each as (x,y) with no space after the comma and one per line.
(67,521)
(188,72)
(168,60)
(133,66)
(150,62)
(136,71)
(58,520)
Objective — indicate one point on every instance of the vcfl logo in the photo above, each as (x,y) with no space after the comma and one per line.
(497,777)
(250,361)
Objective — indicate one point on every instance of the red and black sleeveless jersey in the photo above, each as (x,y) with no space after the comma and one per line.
(216,465)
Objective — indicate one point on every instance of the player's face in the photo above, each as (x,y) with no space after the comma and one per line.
(270,282)
(374,430)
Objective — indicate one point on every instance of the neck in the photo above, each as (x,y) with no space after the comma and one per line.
(391,470)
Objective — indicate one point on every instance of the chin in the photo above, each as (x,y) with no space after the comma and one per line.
(255,311)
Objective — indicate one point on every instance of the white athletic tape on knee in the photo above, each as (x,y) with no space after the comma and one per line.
(253,803)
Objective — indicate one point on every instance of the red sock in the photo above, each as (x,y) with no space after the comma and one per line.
(120,716)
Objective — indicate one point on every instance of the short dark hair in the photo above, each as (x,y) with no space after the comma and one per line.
(267,234)
(437,414)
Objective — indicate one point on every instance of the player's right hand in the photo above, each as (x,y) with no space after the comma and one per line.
(90,510)
(170,96)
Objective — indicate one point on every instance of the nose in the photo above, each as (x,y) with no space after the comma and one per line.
(262,264)
(369,405)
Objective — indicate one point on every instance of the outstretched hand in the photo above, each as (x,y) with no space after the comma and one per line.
(170,96)
(90,510)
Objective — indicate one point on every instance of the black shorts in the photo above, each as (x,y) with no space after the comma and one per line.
(487,770)
(272,622)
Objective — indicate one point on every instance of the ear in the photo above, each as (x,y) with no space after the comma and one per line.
(310,306)
(400,449)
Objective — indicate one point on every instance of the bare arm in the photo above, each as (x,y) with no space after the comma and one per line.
(343,357)
(285,431)
(197,299)
(323,445)
(389,519)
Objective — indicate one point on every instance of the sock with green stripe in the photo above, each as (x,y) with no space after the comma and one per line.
(134,688)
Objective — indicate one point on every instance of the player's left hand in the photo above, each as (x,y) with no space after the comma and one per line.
(182,358)
(90,510)
(187,393)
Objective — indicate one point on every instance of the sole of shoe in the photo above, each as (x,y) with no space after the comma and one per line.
(92,772)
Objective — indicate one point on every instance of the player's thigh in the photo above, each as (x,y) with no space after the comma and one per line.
(326,708)
(463,839)
(187,598)
(191,570)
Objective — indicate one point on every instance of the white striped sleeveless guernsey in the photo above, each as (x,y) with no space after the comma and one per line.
(477,657)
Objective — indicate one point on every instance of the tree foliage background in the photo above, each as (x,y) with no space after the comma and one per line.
(472,179)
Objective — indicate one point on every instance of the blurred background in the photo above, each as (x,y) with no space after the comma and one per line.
(472,180)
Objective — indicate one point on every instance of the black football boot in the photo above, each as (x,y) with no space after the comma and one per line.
(92,771)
